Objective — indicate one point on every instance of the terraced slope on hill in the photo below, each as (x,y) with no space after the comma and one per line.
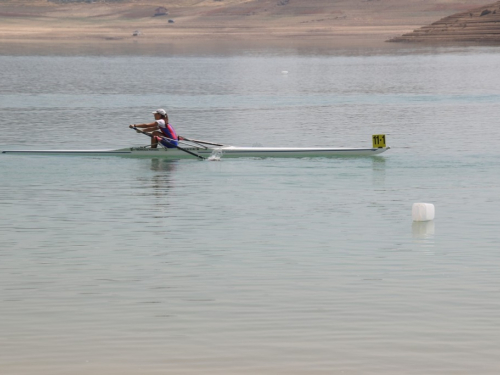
(479,25)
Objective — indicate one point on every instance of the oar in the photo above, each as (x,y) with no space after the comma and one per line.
(180,148)
(198,141)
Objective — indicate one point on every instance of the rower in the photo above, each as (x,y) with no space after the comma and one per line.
(160,128)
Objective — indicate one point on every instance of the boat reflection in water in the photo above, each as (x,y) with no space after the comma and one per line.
(163,165)
(378,167)
(161,182)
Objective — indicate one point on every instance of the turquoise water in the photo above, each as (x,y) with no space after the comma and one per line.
(257,266)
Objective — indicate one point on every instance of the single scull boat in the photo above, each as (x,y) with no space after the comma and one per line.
(225,151)
(203,150)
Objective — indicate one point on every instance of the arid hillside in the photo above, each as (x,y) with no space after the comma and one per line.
(174,20)
(478,25)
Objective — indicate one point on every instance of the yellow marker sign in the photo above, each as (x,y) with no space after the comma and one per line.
(378,140)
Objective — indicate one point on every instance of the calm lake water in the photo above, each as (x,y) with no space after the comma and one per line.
(114,265)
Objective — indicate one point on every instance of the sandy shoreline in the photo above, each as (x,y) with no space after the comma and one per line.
(205,40)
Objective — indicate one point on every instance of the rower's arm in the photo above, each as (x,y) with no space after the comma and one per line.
(147,127)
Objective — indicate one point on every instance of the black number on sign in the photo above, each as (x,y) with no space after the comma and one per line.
(378,140)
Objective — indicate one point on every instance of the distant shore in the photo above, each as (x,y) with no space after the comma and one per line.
(193,39)
(344,45)
(232,24)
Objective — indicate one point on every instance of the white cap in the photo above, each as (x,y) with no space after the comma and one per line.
(161,112)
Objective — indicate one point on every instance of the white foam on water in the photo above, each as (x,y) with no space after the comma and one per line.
(216,155)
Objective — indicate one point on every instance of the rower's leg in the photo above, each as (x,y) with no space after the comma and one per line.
(154,141)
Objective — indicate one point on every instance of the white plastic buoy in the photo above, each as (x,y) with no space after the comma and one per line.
(423,212)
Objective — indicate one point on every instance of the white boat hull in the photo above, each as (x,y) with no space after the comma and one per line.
(224,152)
